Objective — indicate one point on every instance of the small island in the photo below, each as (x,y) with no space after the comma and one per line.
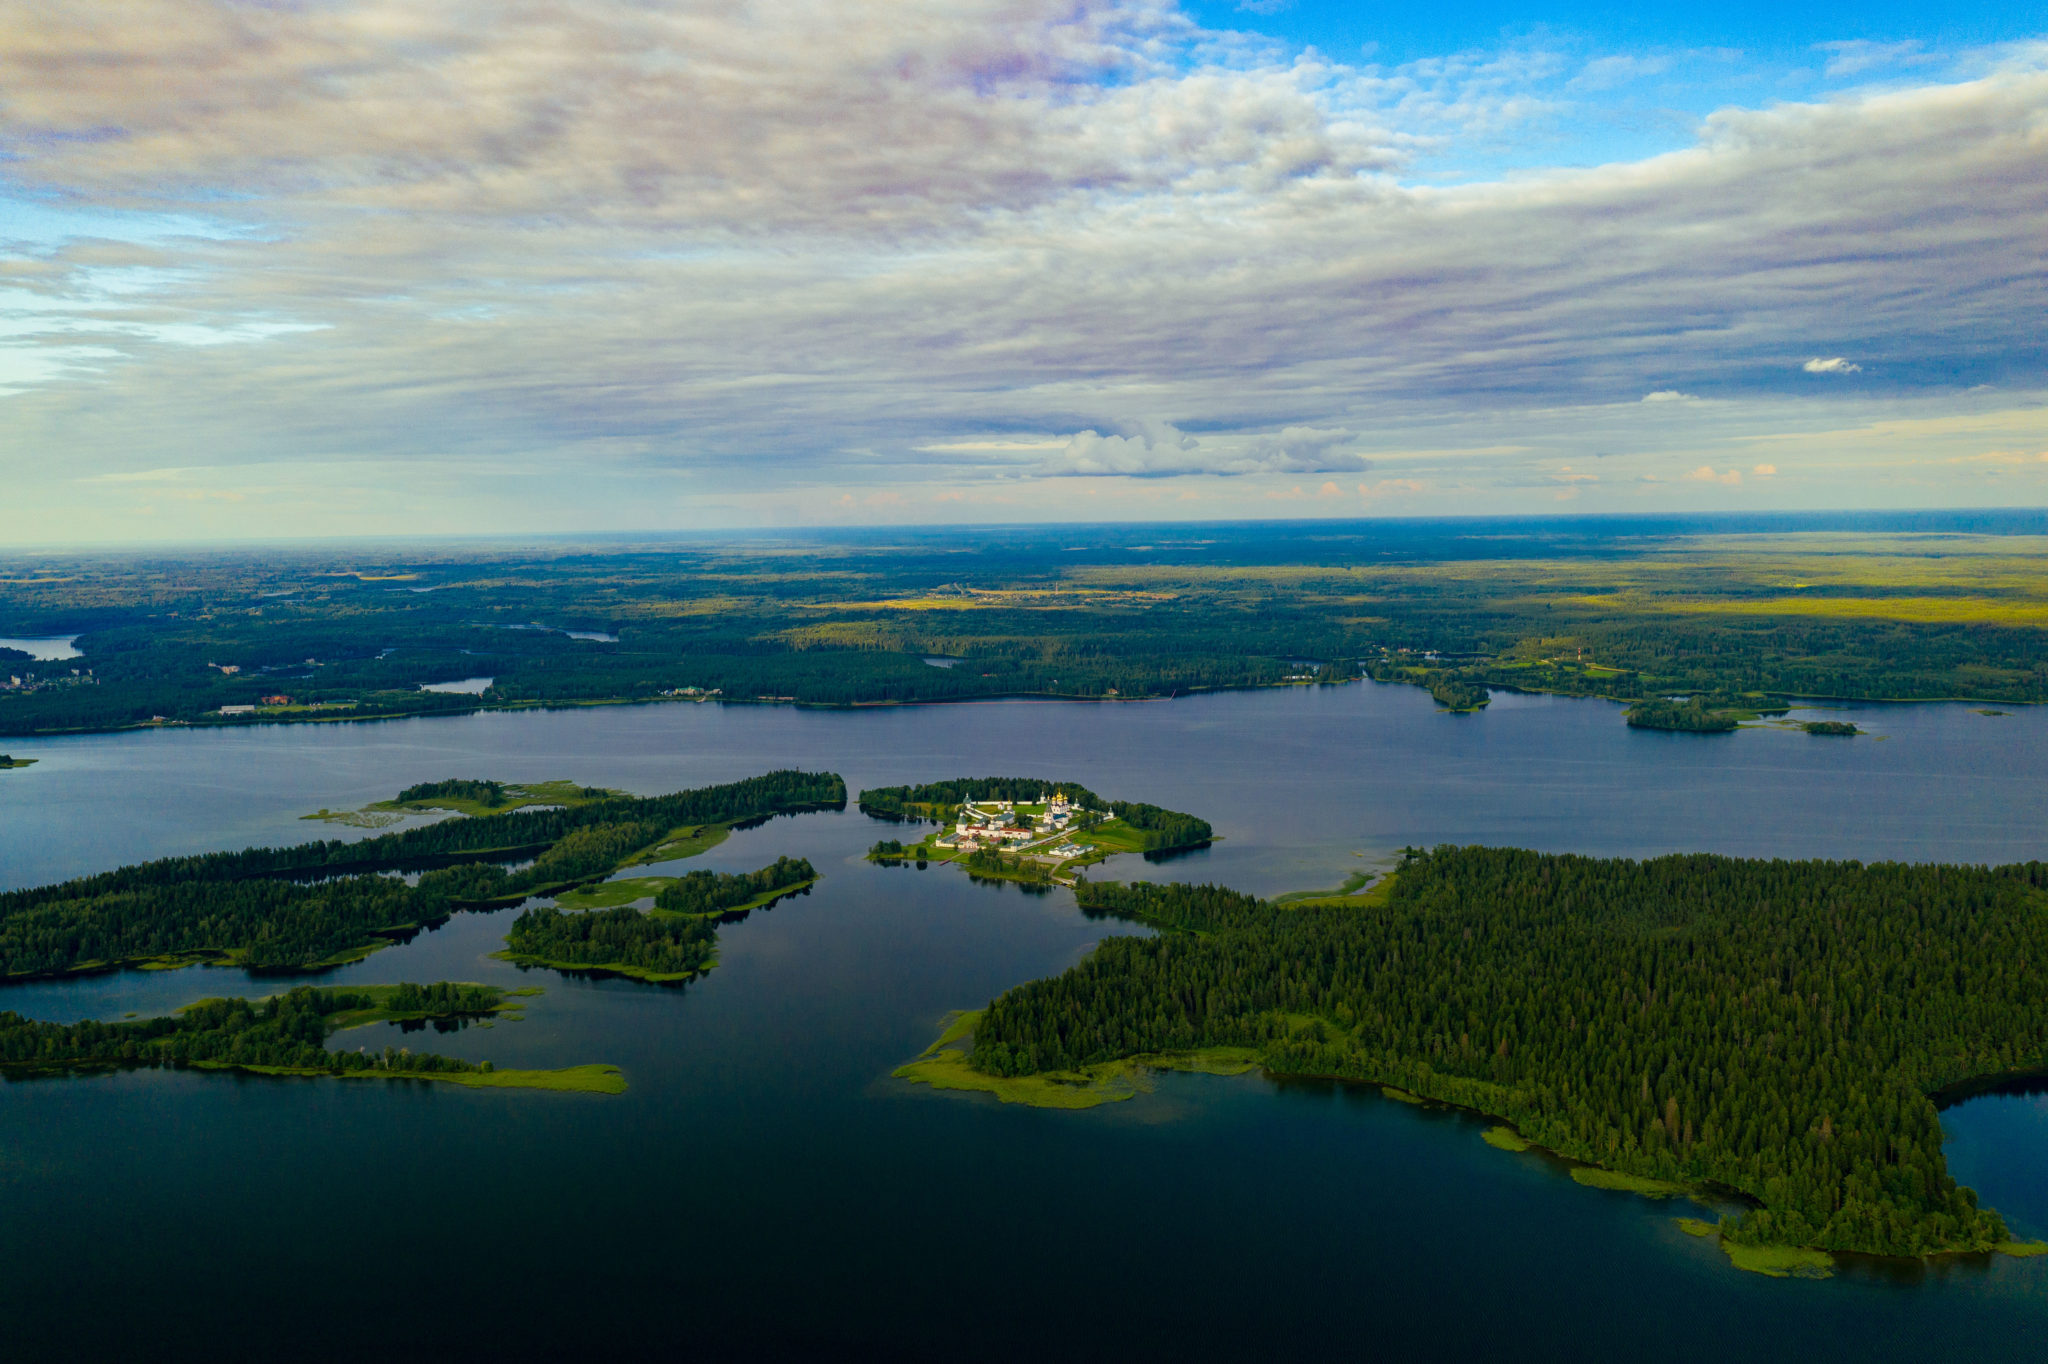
(317,905)
(1024,828)
(1830,727)
(675,940)
(6,762)
(466,796)
(286,1035)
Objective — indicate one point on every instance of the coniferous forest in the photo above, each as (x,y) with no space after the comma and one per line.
(299,907)
(284,1032)
(1780,1030)
(679,939)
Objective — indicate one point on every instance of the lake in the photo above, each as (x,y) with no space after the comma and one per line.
(764,1183)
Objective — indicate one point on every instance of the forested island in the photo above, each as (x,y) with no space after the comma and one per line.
(676,940)
(287,1035)
(7,762)
(1106,613)
(319,904)
(1024,828)
(1773,1032)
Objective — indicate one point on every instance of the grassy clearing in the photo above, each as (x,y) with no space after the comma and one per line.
(2022,1249)
(1694,1226)
(1594,1177)
(943,1065)
(687,841)
(1780,1262)
(1345,898)
(611,894)
(590,1079)
(1506,1139)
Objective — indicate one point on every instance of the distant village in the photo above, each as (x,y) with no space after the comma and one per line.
(1007,825)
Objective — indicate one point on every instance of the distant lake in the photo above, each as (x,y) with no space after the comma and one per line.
(765,1185)
(48,648)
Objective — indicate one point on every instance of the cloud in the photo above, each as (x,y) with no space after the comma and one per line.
(1705,474)
(1854,56)
(1765,471)
(1159,450)
(589,239)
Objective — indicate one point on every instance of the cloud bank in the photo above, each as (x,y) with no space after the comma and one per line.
(751,247)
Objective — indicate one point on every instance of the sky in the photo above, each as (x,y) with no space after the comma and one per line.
(289,268)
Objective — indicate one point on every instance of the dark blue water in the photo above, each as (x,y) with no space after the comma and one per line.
(764,1184)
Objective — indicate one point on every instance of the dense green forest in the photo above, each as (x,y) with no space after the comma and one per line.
(284,1032)
(621,939)
(678,940)
(1106,612)
(1778,1029)
(263,908)
(482,792)
(1691,717)
(704,893)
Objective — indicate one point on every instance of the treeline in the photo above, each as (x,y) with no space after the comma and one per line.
(482,792)
(1772,1027)
(286,1031)
(621,937)
(903,802)
(1692,717)
(239,905)
(711,892)
(1159,830)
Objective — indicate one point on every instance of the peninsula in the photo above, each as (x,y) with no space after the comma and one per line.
(315,905)
(285,1035)
(1775,1034)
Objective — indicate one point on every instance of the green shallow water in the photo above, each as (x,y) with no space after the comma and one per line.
(764,1184)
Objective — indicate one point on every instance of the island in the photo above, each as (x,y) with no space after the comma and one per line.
(316,905)
(1830,727)
(466,796)
(1024,828)
(286,1035)
(7,762)
(676,939)
(1773,1036)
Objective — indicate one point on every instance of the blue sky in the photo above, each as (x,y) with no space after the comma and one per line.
(363,266)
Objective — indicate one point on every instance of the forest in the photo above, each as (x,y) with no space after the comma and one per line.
(675,942)
(303,907)
(284,1032)
(1775,1030)
(1633,611)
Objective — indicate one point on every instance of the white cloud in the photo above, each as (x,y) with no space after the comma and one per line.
(1765,471)
(1852,57)
(1705,474)
(598,238)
